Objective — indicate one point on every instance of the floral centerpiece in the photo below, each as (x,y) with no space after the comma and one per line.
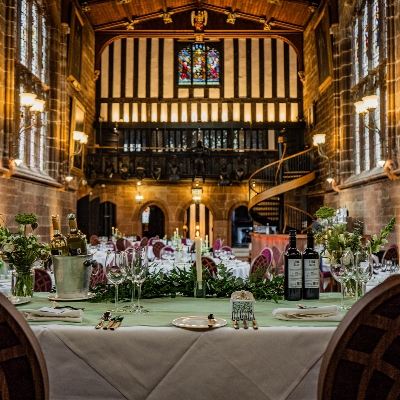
(335,237)
(22,250)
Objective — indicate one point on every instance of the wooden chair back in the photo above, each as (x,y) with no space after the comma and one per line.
(157,246)
(209,264)
(362,360)
(42,281)
(23,372)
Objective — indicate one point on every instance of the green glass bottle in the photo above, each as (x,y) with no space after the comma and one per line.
(76,239)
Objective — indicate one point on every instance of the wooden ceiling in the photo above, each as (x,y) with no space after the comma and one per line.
(145,17)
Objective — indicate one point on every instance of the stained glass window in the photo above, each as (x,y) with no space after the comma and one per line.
(32,49)
(198,64)
(369,68)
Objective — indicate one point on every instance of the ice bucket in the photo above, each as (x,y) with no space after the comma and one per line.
(72,277)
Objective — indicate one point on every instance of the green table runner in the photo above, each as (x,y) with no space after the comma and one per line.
(164,310)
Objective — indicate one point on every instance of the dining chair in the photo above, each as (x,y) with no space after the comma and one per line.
(277,259)
(122,244)
(23,372)
(362,360)
(209,264)
(167,250)
(226,248)
(153,240)
(42,281)
(391,254)
(144,241)
(217,244)
(94,240)
(267,252)
(98,275)
(259,262)
(111,244)
(157,247)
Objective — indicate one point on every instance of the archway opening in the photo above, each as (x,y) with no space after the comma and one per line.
(153,222)
(242,225)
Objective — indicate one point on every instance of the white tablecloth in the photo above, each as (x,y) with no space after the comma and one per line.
(171,363)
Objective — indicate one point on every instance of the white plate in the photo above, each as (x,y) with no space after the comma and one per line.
(16,300)
(54,296)
(197,322)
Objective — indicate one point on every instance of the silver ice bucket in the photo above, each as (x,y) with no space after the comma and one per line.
(72,277)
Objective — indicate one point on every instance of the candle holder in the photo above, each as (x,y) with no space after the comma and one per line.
(199,289)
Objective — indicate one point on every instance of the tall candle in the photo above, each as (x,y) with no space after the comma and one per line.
(206,241)
(199,267)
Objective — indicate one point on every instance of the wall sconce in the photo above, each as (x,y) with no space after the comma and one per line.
(80,139)
(196,192)
(369,104)
(32,105)
(139,198)
(319,140)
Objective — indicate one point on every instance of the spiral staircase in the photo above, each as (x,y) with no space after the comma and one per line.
(268,185)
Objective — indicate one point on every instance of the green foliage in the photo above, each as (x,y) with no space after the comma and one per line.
(182,281)
(325,212)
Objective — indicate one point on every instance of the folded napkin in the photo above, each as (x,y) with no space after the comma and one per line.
(52,314)
(326,313)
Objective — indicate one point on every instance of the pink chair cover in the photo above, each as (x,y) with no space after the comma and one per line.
(277,257)
(183,241)
(217,244)
(110,243)
(153,240)
(267,252)
(166,249)
(226,248)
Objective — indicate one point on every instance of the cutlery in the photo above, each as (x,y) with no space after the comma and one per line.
(117,323)
(245,325)
(111,323)
(106,316)
(255,326)
(236,324)
(303,307)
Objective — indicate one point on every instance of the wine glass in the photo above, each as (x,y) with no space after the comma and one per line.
(341,269)
(139,269)
(130,255)
(364,269)
(116,271)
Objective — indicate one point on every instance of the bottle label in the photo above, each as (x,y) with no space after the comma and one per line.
(311,274)
(294,274)
(56,252)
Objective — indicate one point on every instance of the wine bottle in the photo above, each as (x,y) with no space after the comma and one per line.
(310,270)
(293,270)
(76,239)
(58,242)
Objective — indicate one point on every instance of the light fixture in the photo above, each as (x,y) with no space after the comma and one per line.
(69,178)
(139,198)
(319,140)
(369,104)
(32,105)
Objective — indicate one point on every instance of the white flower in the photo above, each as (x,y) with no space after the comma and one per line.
(8,248)
(29,246)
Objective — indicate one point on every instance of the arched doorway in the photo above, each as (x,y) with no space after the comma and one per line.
(242,225)
(153,222)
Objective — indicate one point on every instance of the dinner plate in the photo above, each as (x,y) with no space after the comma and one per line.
(197,322)
(16,300)
(54,296)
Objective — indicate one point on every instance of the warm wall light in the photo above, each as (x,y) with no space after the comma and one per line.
(371,101)
(80,136)
(27,99)
(319,139)
(139,198)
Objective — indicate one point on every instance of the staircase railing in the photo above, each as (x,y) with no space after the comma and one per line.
(289,168)
(297,219)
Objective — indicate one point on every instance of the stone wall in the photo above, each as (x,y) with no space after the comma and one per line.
(370,197)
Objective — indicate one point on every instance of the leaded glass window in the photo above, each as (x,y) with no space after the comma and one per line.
(369,69)
(32,51)
(198,64)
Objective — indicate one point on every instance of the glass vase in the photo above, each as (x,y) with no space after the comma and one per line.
(22,282)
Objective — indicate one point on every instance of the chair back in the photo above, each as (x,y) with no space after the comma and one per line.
(153,240)
(94,240)
(98,275)
(260,262)
(226,248)
(167,253)
(277,257)
(122,244)
(209,264)
(217,244)
(42,281)
(183,241)
(144,241)
(157,247)
(23,372)
(286,248)
(391,254)
(267,252)
(362,357)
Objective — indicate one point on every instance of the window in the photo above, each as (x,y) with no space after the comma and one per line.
(31,75)
(369,70)
(198,64)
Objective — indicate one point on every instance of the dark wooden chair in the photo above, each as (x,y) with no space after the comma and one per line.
(362,360)
(260,262)
(157,247)
(209,264)
(42,281)
(23,372)
(391,254)
(144,241)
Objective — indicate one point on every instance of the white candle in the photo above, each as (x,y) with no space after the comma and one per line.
(199,267)
(206,240)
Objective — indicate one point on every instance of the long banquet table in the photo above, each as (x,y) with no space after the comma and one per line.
(149,358)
